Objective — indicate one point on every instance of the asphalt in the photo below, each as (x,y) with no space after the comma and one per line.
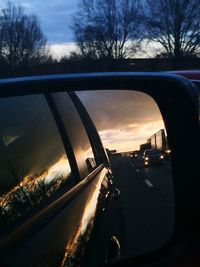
(146,209)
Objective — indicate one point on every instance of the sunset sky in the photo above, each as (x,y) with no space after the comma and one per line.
(124,119)
(55,18)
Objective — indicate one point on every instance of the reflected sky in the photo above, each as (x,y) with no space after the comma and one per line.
(60,169)
(56,173)
(124,119)
(33,161)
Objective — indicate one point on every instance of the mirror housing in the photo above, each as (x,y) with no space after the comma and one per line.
(178,102)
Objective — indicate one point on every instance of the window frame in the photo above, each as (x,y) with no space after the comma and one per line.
(95,140)
(89,128)
(42,213)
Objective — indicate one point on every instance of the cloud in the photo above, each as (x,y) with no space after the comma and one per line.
(124,119)
(55,17)
(61,49)
(114,109)
(128,138)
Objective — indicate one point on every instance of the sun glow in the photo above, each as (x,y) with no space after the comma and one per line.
(126,139)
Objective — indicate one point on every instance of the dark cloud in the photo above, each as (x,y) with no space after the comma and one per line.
(125,119)
(55,17)
(117,109)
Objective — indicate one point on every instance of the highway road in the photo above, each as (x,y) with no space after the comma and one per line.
(145,207)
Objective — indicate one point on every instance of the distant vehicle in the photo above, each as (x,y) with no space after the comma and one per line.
(134,154)
(158,140)
(167,154)
(152,157)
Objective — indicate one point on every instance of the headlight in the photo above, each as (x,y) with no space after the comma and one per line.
(146,158)
(161,157)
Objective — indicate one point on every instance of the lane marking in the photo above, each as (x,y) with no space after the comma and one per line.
(137,170)
(132,165)
(148,183)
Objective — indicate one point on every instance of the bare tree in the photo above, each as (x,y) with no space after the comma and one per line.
(22,42)
(175,25)
(107,29)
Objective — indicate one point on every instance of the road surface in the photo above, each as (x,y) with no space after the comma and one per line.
(145,207)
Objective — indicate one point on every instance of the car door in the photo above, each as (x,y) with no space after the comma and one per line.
(52,188)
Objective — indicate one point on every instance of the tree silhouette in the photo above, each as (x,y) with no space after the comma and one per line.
(22,42)
(107,29)
(175,26)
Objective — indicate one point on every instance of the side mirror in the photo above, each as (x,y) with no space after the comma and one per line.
(177,102)
(172,112)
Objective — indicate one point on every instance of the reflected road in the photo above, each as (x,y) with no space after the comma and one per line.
(146,204)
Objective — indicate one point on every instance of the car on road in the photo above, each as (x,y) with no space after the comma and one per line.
(152,157)
(57,195)
(135,154)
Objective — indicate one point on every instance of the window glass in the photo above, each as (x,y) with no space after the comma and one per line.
(76,133)
(34,167)
(131,128)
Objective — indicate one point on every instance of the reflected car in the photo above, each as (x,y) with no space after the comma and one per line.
(55,178)
(167,154)
(152,157)
(135,154)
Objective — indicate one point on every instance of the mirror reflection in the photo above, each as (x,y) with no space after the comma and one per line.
(133,132)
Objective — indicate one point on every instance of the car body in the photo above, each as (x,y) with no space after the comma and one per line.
(53,161)
(152,157)
(193,76)
(189,74)
(44,125)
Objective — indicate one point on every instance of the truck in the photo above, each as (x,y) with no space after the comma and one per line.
(157,141)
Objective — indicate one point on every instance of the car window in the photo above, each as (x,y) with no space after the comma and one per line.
(34,167)
(77,134)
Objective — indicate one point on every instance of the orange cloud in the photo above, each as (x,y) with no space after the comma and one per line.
(125,119)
